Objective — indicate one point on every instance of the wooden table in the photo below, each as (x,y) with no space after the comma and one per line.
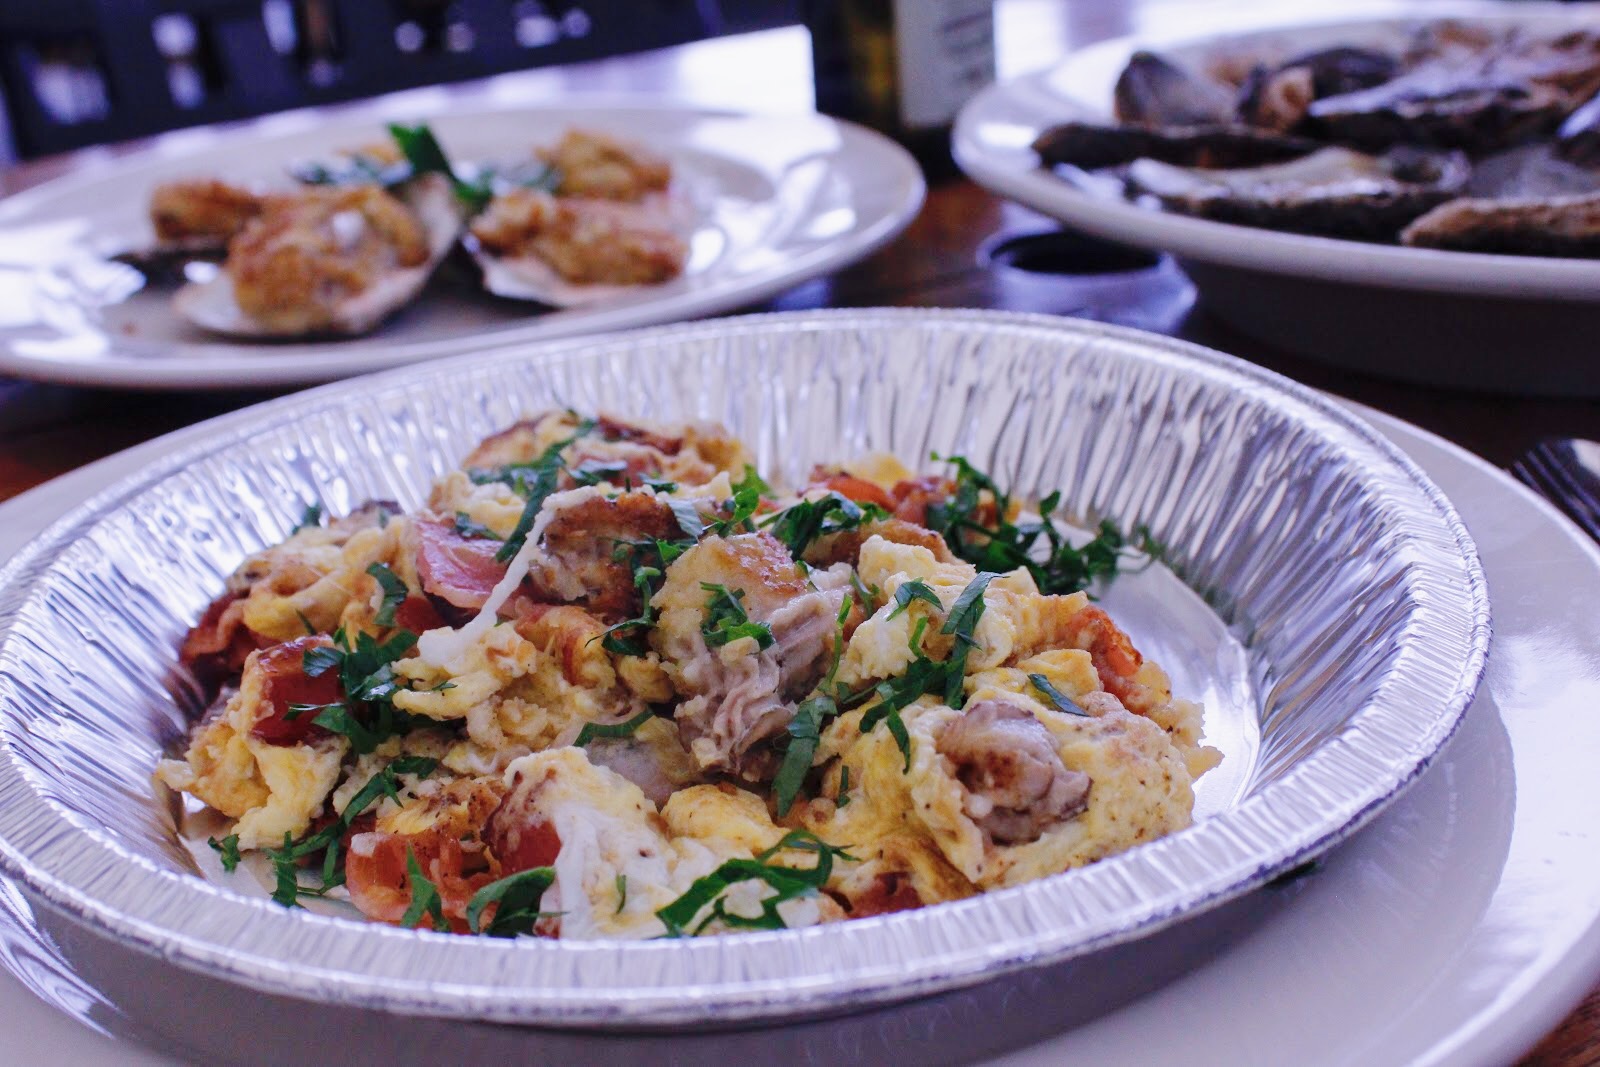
(941,261)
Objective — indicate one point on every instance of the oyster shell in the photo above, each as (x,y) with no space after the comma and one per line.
(1567,226)
(1278,98)
(1154,91)
(1334,192)
(211,305)
(1467,89)
(1092,145)
(1530,171)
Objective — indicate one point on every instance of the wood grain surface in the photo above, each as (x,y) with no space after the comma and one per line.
(943,260)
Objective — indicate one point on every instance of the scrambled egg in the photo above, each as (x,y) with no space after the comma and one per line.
(638,697)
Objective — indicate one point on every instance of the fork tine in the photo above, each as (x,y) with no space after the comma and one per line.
(1552,470)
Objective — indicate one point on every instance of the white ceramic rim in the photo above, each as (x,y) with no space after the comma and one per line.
(1031,102)
(248,365)
(308,955)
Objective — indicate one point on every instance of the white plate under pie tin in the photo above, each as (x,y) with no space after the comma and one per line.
(1346,574)
(1440,318)
(775,199)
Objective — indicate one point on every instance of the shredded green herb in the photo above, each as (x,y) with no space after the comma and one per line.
(366,715)
(1059,700)
(800,524)
(425,899)
(465,527)
(592,730)
(805,729)
(310,518)
(394,592)
(747,493)
(727,621)
(915,589)
(708,895)
(844,787)
(648,560)
(228,849)
(1057,566)
(622,893)
(516,901)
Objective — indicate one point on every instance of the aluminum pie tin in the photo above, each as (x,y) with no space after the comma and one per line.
(1346,576)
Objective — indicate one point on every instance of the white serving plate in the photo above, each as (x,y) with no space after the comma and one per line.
(1358,964)
(776,199)
(1341,571)
(1444,318)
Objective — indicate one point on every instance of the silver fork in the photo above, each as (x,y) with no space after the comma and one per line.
(1565,471)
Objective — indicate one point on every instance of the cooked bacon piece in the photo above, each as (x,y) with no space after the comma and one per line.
(217,646)
(417,614)
(611,428)
(852,488)
(845,547)
(458,570)
(280,674)
(890,891)
(911,499)
(1017,786)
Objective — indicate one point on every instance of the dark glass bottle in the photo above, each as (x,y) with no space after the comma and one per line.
(903,67)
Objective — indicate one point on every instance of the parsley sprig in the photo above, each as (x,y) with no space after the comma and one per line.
(286,860)
(802,523)
(394,592)
(424,155)
(1057,566)
(708,895)
(366,715)
(726,619)
(742,506)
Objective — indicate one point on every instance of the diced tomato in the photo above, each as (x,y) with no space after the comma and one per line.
(379,879)
(284,682)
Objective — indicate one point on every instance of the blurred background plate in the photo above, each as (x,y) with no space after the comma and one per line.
(1329,567)
(778,199)
(1439,318)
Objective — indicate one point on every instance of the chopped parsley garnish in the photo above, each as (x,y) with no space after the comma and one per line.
(726,619)
(805,729)
(425,899)
(310,518)
(516,901)
(534,482)
(1005,546)
(286,860)
(944,677)
(622,893)
(394,592)
(366,715)
(800,524)
(596,472)
(228,849)
(1058,700)
(649,560)
(844,787)
(915,589)
(747,493)
(683,917)
(356,168)
(470,530)
(592,730)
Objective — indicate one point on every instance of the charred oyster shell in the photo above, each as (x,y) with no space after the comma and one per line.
(1091,145)
(1154,91)
(1278,98)
(1334,192)
(1567,226)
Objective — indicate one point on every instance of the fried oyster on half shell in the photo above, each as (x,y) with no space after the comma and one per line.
(327,261)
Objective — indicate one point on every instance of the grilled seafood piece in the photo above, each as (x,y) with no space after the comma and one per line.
(1334,192)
